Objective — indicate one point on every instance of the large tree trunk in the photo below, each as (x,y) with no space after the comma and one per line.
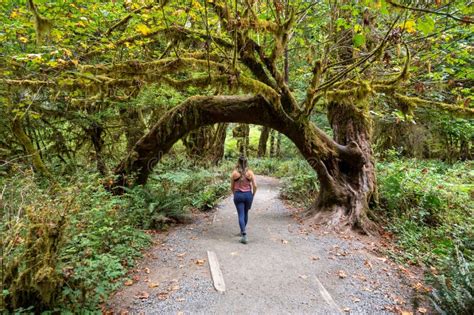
(262,142)
(347,187)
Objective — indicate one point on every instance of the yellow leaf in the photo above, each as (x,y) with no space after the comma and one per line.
(409,26)
(143,29)
(67,52)
(14,14)
(23,39)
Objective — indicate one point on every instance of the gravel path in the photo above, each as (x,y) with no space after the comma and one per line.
(287,267)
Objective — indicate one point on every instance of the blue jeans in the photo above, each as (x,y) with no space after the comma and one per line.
(243,202)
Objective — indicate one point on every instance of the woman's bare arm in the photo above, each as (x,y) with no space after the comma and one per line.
(232,182)
(254,183)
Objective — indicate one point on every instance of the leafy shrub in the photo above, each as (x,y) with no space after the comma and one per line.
(67,246)
(428,206)
(454,293)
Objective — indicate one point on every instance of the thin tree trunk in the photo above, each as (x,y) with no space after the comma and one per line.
(262,142)
(134,126)
(25,141)
(219,143)
(278,146)
(272,143)
(95,133)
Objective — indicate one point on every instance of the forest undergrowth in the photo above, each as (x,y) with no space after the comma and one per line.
(92,237)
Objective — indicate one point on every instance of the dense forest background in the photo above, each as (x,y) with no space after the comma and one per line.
(115,114)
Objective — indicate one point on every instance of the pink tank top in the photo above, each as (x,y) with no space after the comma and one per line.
(242,184)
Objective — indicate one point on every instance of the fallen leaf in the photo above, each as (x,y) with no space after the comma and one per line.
(200,262)
(346,309)
(368,264)
(142,295)
(341,274)
(234,253)
(355,300)
(181,255)
(147,270)
(315,258)
(152,285)
(284,241)
(129,282)
(422,310)
(180,299)
(174,288)
(407,313)
(303,276)
(162,295)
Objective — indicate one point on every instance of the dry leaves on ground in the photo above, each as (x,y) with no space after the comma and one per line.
(143,295)
(342,274)
(152,285)
(162,296)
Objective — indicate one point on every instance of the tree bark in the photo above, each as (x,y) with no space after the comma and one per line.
(347,187)
(262,142)
(278,145)
(134,126)
(196,112)
(95,133)
(206,144)
(272,143)
(38,165)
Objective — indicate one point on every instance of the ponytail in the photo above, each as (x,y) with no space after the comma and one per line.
(242,165)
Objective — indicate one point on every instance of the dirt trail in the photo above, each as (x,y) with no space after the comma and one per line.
(285,268)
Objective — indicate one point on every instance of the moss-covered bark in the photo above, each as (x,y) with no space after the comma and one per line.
(196,112)
(32,153)
(206,144)
(262,142)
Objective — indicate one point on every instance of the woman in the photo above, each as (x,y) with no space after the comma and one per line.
(243,187)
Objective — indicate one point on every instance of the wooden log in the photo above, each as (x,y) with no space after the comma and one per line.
(216,273)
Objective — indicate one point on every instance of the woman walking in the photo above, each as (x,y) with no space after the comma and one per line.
(243,187)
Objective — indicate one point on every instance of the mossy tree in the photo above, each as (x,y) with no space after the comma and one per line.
(249,62)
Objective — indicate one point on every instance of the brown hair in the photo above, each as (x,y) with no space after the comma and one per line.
(242,165)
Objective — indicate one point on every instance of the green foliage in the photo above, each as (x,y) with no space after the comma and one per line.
(454,293)
(85,242)
(97,235)
(428,205)
(299,181)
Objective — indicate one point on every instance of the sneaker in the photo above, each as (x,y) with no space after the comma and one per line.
(243,239)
